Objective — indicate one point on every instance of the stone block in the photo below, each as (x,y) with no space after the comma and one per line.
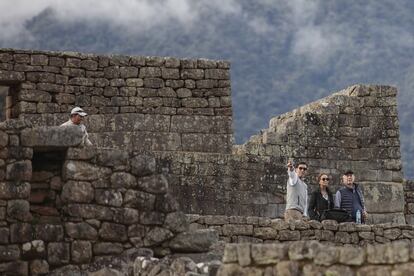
(108,197)
(142,165)
(19,209)
(342,237)
(69,136)
(107,248)
(376,193)
(194,102)
(17,268)
(351,255)
(13,190)
(330,225)
(19,171)
(8,76)
(9,253)
(88,211)
(83,171)
(327,256)
(74,191)
(113,232)
(157,235)
(288,268)
(81,231)
(130,216)
(390,253)
(244,254)
(49,232)
(139,200)
(34,250)
(176,222)
(21,232)
(236,229)
(392,233)
(155,184)
(264,254)
(288,235)
(39,267)
(265,233)
(58,253)
(81,252)
(4,235)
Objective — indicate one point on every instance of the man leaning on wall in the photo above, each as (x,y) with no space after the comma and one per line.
(296,192)
(76,117)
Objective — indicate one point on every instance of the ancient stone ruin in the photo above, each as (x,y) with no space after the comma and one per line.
(165,190)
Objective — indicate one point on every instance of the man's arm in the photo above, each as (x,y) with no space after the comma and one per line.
(293,178)
(338,199)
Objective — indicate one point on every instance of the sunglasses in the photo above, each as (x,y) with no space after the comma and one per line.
(302,168)
(325,179)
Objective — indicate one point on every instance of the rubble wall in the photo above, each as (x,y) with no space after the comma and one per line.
(241,229)
(99,203)
(313,258)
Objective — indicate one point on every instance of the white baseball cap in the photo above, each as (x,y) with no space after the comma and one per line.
(79,111)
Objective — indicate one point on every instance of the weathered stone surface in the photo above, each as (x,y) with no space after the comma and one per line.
(89,211)
(198,241)
(17,268)
(13,190)
(123,180)
(139,200)
(142,165)
(9,253)
(155,184)
(19,209)
(327,256)
(108,197)
(287,235)
(83,171)
(74,191)
(267,253)
(52,136)
(19,171)
(351,255)
(39,267)
(49,232)
(113,232)
(107,248)
(176,222)
(157,235)
(81,251)
(81,231)
(244,254)
(58,253)
(265,233)
(390,253)
(300,250)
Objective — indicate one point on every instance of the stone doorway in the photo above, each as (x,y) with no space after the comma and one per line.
(46,184)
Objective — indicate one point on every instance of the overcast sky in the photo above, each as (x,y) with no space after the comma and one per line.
(284,53)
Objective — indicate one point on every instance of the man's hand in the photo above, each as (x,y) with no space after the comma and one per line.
(290,165)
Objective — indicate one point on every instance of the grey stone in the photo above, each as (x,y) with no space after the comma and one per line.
(113,232)
(9,253)
(19,209)
(14,190)
(74,191)
(107,248)
(49,232)
(81,251)
(123,180)
(19,171)
(58,253)
(39,267)
(198,241)
(83,171)
(52,136)
(244,254)
(156,184)
(176,222)
(268,253)
(82,231)
(142,165)
(351,255)
(157,235)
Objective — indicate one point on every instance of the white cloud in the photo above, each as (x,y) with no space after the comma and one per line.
(132,15)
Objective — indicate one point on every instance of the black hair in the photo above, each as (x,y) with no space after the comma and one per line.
(301,163)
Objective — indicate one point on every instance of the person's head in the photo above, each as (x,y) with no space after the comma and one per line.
(348,178)
(323,180)
(76,115)
(301,169)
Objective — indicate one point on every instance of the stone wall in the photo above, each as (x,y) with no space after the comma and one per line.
(180,111)
(313,258)
(134,103)
(409,200)
(95,204)
(239,229)
(356,129)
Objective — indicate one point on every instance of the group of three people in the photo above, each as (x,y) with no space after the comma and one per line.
(349,197)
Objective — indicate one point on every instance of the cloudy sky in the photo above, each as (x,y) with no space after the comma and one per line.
(283,53)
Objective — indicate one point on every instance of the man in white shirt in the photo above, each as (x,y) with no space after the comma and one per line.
(296,192)
(76,117)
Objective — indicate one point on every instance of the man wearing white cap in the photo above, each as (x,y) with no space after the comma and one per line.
(76,116)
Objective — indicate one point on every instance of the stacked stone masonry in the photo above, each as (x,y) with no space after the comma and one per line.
(180,110)
(240,229)
(313,258)
(134,103)
(96,204)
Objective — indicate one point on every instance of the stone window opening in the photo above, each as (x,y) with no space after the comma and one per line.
(46,184)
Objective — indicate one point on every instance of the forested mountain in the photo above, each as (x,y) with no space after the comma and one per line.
(283,54)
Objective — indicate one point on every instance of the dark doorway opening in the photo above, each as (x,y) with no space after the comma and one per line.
(46,184)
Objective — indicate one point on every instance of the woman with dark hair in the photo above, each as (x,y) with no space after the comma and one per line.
(321,199)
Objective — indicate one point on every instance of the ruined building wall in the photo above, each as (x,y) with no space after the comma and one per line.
(180,110)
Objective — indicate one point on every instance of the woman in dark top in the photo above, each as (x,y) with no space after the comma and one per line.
(321,199)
